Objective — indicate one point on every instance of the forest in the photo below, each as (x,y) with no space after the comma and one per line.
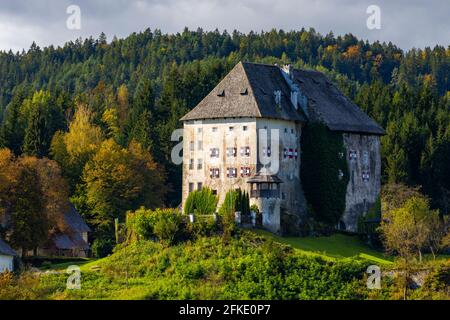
(98,113)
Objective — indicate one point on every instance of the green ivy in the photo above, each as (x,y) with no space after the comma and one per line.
(323,158)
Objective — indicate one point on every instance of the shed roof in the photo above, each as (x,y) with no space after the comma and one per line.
(263,176)
(73,241)
(6,250)
(74,220)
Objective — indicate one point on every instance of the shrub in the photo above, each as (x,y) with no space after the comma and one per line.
(167,225)
(201,202)
(164,224)
(101,247)
(226,213)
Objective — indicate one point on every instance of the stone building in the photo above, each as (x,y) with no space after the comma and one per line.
(246,134)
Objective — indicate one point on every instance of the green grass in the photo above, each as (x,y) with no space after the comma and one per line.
(336,246)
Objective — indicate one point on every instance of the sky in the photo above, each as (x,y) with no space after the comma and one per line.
(406,23)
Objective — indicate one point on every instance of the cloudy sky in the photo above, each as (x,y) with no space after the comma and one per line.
(407,23)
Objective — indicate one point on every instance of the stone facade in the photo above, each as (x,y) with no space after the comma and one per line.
(235,148)
(364,164)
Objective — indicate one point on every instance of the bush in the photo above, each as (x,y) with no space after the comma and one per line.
(201,202)
(101,247)
(167,225)
(204,226)
(164,224)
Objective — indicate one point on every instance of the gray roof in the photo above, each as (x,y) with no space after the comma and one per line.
(248,91)
(73,241)
(6,250)
(74,221)
(264,177)
(329,105)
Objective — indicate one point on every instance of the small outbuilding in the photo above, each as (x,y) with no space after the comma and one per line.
(7,255)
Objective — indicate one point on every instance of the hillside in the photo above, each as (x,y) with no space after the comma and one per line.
(248,267)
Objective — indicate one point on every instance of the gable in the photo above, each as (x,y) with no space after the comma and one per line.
(248,91)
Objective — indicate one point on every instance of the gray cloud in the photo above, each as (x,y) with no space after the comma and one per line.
(408,24)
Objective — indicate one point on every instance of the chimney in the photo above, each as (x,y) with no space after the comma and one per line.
(287,68)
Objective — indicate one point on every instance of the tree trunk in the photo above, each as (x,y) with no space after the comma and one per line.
(432,252)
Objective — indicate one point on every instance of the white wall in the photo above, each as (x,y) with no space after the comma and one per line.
(6,263)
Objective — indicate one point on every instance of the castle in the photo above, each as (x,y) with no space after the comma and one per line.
(246,134)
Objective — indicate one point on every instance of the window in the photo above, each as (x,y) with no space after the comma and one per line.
(231,152)
(199,164)
(191,164)
(292,131)
(244,128)
(191,187)
(245,151)
(200,145)
(199,186)
(230,129)
(214,192)
(352,155)
(365,176)
(285,130)
(267,151)
(191,146)
(245,171)
(231,172)
(214,152)
(283,196)
(285,153)
(214,173)
(199,130)
(214,129)
(296,153)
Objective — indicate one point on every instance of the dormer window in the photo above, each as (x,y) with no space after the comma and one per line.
(221,93)
(277,96)
(230,129)
(244,92)
(214,129)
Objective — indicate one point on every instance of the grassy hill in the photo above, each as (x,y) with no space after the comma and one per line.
(250,266)
(336,246)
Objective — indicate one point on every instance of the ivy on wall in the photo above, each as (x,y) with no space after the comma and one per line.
(324,173)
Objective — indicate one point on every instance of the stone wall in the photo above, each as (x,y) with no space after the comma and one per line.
(222,138)
(364,163)
(216,133)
